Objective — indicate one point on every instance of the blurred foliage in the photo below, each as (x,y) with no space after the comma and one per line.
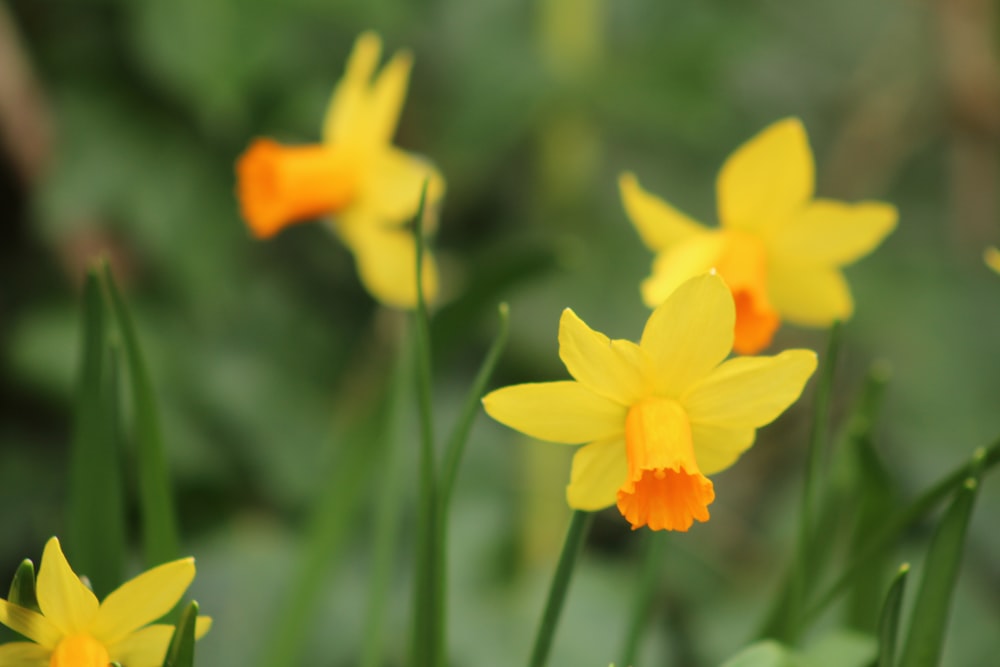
(263,355)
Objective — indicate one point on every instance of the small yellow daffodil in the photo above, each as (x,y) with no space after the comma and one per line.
(992,258)
(368,187)
(660,415)
(74,630)
(780,250)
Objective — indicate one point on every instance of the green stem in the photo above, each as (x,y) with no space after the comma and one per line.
(575,536)
(427,632)
(649,578)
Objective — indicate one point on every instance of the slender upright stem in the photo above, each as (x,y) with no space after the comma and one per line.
(653,549)
(579,526)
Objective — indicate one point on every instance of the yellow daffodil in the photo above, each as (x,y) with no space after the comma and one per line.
(368,187)
(780,250)
(660,415)
(74,630)
(992,258)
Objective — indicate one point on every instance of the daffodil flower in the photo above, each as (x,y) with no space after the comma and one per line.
(780,250)
(992,258)
(659,416)
(74,630)
(369,188)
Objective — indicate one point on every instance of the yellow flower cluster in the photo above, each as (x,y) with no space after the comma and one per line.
(655,417)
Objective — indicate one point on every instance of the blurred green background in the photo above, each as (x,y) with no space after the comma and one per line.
(120,122)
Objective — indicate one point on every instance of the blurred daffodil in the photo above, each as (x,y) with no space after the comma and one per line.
(992,258)
(369,188)
(660,415)
(74,630)
(780,250)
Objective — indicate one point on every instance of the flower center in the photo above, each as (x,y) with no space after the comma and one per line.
(80,651)
(665,490)
(743,265)
(279,185)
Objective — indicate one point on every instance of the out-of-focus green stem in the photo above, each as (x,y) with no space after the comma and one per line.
(649,578)
(579,526)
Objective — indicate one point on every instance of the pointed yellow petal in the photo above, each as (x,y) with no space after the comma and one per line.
(30,624)
(659,224)
(24,654)
(565,412)
(833,233)
(614,369)
(62,597)
(767,179)
(992,258)
(749,392)
(693,256)
(347,110)
(716,448)
(148,647)
(386,258)
(387,97)
(690,334)
(808,295)
(391,189)
(599,470)
(142,600)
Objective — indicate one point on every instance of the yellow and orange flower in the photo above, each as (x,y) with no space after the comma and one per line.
(992,258)
(74,630)
(660,415)
(369,188)
(780,250)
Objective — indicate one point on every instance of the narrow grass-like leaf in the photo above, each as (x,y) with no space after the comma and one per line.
(576,535)
(929,618)
(96,523)
(892,528)
(159,523)
(387,513)
(22,587)
(427,626)
(180,652)
(888,626)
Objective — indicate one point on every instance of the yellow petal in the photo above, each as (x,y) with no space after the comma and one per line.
(767,179)
(387,258)
(599,470)
(24,654)
(690,334)
(142,600)
(348,105)
(833,233)
(749,392)
(148,647)
(659,224)
(691,257)
(614,369)
(391,189)
(62,597)
(716,448)
(387,96)
(809,295)
(30,624)
(565,412)
(992,258)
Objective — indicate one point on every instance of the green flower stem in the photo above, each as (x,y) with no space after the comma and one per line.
(575,536)
(427,609)
(454,449)
(888,627)
(653,550)
(810,489)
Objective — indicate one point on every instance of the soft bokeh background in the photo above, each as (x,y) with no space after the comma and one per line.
(120,122)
